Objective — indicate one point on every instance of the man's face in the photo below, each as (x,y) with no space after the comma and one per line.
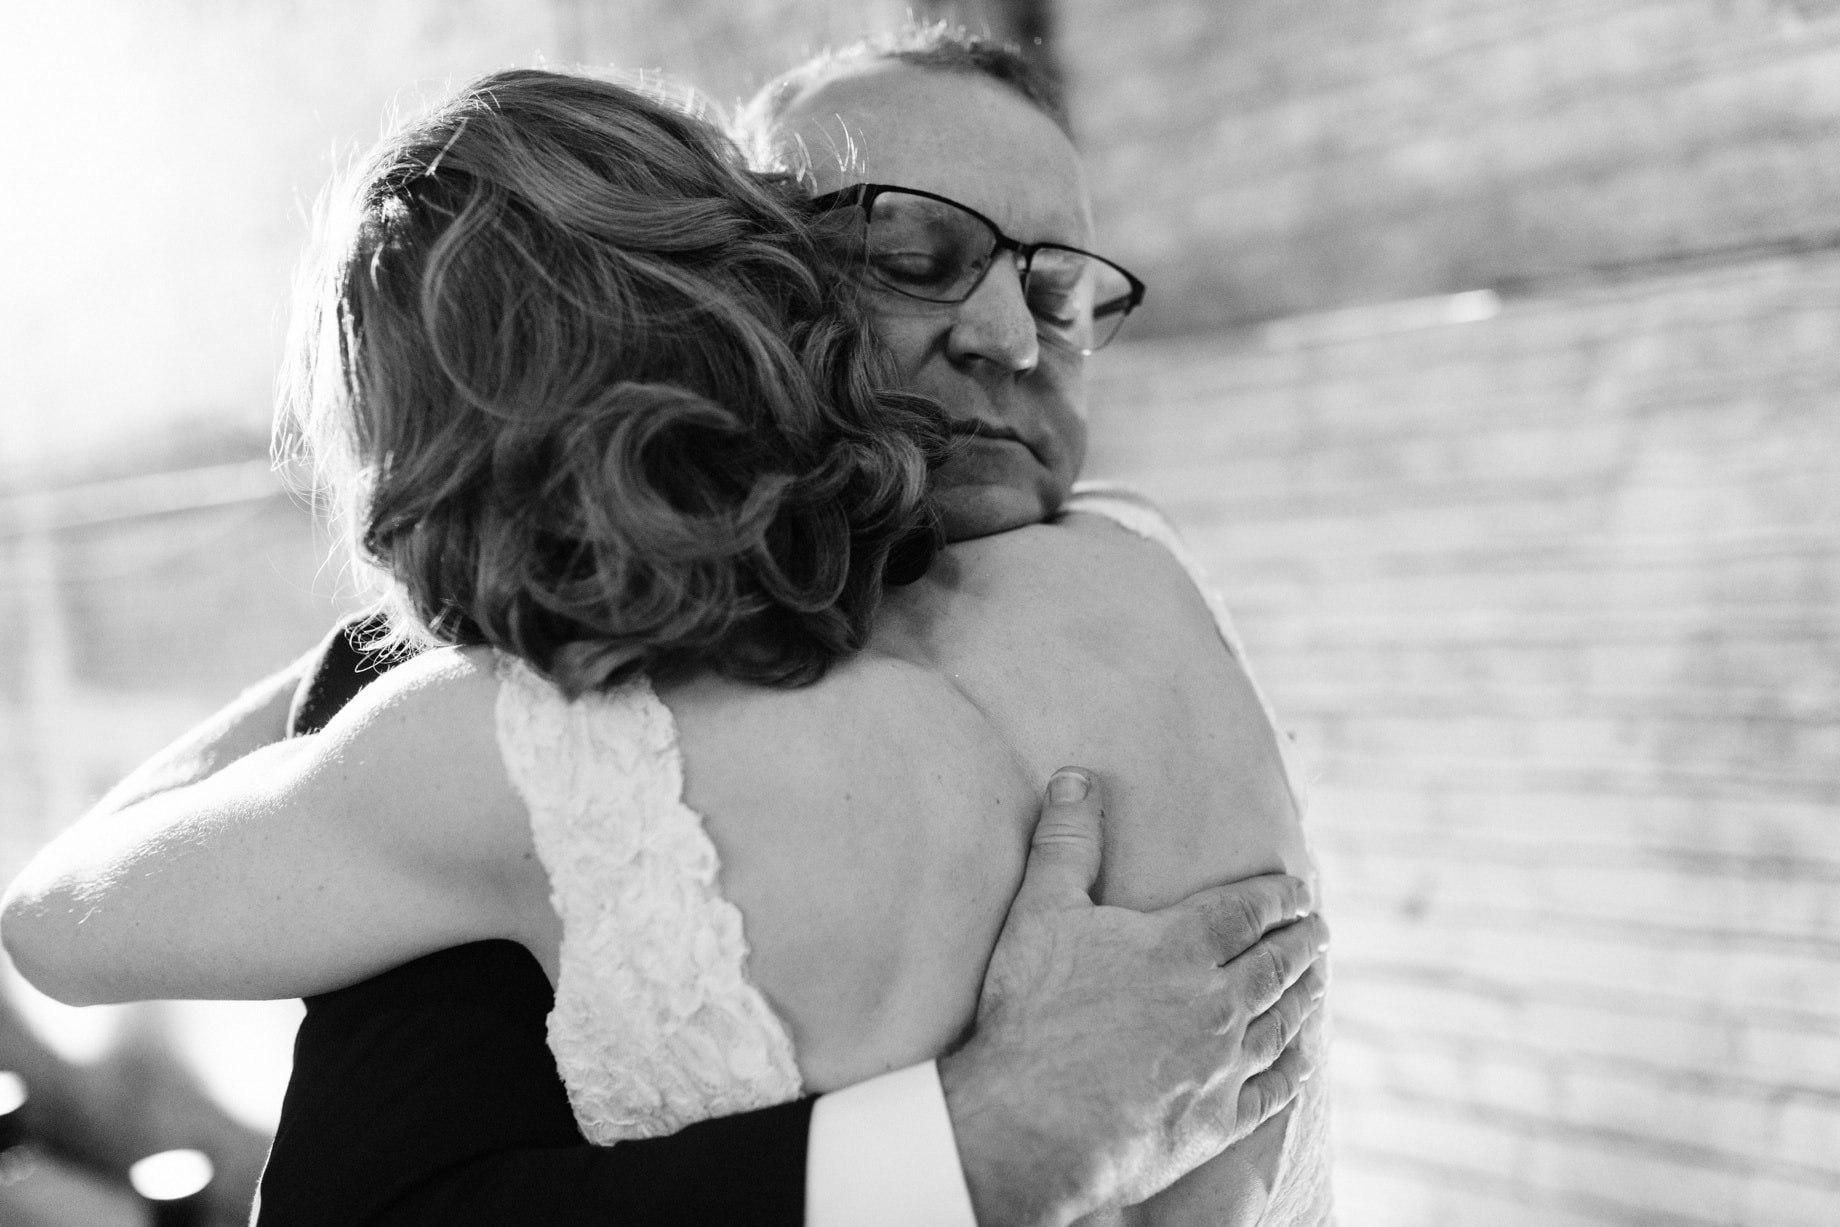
(1019,403)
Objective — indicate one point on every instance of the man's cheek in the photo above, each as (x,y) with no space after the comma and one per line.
(912,338)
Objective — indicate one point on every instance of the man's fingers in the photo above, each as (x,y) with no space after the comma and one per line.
(1064,852)
(1237,915)
(1264,1095)
(1259,977)
(1271,1033)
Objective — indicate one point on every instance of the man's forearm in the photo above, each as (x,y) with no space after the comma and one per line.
(427,1096)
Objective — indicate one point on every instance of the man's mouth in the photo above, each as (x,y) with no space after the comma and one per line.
(964,432)
(983,430)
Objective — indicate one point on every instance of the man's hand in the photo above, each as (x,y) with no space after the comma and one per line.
(1114,1051)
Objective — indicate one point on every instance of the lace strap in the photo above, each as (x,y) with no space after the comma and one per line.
(656,1024)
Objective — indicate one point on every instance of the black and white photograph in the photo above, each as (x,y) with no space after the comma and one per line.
(966,613)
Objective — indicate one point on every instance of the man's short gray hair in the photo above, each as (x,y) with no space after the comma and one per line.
(934,47)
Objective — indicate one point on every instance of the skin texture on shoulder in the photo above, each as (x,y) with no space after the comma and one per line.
(873,829)
(302,866)
(1091,637)
(873,843)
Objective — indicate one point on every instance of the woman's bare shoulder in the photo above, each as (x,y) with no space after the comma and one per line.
(1122,556)
(409,770)
(1110,510)
(441,686)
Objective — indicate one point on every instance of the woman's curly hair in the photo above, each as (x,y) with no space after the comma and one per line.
(592,392)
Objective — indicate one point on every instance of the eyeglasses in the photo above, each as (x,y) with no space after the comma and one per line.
(934,249)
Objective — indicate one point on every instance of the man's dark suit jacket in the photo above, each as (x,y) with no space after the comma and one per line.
(428,1097)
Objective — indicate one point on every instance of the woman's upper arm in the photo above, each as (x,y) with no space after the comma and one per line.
(302,867)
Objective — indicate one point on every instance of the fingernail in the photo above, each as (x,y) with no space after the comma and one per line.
(1068,786)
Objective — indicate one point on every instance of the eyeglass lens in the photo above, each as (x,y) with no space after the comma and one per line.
(930,249)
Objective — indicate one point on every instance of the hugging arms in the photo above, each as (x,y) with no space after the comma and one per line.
(427,1095)
(993,648)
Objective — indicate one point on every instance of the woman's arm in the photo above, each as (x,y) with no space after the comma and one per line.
(302,866)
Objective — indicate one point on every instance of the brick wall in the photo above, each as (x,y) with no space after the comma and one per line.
(1552,598)
(117,635)
(1264,157)
(727,49)
(1551,603)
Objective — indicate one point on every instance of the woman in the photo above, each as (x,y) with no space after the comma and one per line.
(612,442)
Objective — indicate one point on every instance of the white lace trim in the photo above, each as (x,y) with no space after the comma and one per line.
(656,1024)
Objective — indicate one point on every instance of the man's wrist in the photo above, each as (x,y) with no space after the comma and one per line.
(1013,1171)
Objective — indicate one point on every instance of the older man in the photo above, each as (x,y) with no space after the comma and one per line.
(427,1095)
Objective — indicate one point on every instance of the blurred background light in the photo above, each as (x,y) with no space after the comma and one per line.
(171,1174)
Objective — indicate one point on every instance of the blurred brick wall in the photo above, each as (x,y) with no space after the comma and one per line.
(1550,602)
(727,49)
(120,633)
(1552,599)
(1264,157)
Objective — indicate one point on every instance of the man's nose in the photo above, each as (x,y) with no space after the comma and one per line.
(995,325)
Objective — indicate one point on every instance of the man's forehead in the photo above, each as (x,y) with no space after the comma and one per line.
(958,134)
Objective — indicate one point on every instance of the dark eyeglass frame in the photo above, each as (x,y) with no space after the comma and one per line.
(863,196)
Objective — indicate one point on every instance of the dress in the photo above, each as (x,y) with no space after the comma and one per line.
(656,1024)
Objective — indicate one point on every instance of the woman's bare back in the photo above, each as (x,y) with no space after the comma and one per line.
(873,828)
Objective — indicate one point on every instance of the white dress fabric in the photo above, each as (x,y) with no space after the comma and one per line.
(656,1024)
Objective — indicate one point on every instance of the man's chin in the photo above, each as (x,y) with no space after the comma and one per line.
(971,511)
